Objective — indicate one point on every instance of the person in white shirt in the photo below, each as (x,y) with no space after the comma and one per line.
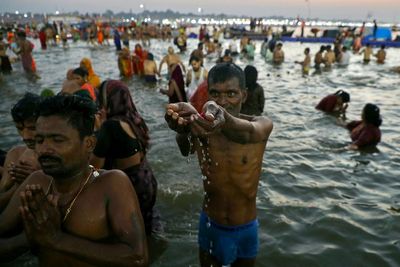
(195,76)
(344,59)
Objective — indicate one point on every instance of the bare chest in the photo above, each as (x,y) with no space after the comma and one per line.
(87,217)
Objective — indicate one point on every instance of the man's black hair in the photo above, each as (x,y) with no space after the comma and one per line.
(78,111)
(26,108)
(195,58)
(223,72)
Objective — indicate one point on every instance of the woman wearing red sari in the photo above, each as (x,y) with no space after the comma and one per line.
(176,86)
(139,56)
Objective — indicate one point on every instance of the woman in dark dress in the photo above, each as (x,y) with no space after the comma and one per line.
(122,143)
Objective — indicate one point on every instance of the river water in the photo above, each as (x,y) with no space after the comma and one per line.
(318,203)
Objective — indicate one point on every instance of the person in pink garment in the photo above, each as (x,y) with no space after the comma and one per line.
(336,102)
(366,132)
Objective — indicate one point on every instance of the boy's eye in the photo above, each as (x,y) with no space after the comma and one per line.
(58,139)
(214,94)
(38,140)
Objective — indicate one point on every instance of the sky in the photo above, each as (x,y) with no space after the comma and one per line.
(382,10)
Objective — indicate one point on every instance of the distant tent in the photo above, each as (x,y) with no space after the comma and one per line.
(330,33)
(382,34)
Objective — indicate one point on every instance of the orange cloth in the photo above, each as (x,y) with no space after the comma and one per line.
(93,79)
(100,36)
(140,55)
(10,37)
(88,87)
(125,63)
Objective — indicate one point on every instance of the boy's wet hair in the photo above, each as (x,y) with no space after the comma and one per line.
(372,114)
(195,58)
(343,95)
(81,72)
(78,111)
(26,108)
(223,72)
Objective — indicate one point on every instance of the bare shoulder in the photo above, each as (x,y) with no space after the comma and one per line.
(261,120)
(113,178)
(262,125)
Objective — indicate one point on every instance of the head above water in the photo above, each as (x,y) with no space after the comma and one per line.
(26,108)
(227,52)
(371,114)
(226,86)
(80,75)
(24,114)
(78,111)
(81,72)
(223,72)
(343,95)
(21,34)
(251,75)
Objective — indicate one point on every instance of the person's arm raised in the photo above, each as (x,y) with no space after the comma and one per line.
(178,117)
(161,63)
(245,129)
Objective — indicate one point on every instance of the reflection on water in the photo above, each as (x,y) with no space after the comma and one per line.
(318,204)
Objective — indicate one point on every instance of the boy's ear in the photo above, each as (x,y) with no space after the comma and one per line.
(90,142)
(244,96)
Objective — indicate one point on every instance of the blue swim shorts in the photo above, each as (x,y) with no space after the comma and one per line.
(228,243)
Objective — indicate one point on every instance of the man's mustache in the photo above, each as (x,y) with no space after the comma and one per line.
(48,158)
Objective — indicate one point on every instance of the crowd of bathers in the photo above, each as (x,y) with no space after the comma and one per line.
(122,135)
